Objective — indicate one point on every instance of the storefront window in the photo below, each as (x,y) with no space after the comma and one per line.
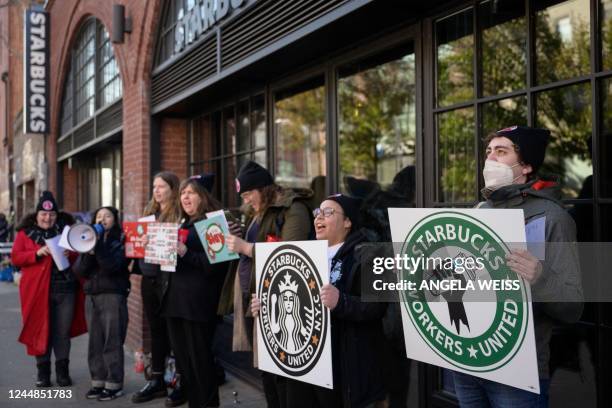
(503,113)
(98,180)
(109,81)
(606,33)
(457,156)
(567,113)
(93,79)
(221,144)
(605,139)
(504,46)
(85,70)
(455,58)
(562,40)
(67,105)
(299,121)
(376,120)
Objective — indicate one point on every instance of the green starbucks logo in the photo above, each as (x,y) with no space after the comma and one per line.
(478,329)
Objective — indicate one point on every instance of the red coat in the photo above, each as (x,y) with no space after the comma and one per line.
(34,290)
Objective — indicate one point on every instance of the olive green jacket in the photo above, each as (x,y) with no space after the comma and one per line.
(292,214)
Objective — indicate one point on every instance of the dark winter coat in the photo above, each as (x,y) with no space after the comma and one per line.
(106,270)
(193,291)
(357,332)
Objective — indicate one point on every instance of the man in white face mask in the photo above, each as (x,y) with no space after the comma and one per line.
(506,163)
(513,158)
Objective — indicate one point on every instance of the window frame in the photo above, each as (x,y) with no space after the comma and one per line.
(75,84)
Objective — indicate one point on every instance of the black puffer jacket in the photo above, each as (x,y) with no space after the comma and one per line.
(357,333)
(106,271)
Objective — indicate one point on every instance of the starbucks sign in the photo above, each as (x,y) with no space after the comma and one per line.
(471,326)
(293,325)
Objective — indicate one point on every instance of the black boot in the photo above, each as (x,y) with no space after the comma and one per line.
(156,388)
(177,396)
(43,378)
(62,376)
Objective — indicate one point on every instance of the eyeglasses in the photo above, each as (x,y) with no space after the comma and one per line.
(326,212)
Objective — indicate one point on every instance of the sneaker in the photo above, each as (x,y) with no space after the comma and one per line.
(108,395)
(94,392)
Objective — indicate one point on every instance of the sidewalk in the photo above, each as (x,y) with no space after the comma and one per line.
(18,370)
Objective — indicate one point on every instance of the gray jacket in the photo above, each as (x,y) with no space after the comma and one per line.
(557,294)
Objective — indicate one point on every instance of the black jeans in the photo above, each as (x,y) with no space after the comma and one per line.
(151,292)
(61,312)
(107,319)
(192,345)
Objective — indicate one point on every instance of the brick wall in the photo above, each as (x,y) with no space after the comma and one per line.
(70,177)
(173,147)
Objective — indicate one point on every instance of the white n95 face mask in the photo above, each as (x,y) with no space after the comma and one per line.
(498,174)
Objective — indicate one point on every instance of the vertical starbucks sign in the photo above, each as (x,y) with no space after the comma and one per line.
(481,325)
(36,71)
(293,327)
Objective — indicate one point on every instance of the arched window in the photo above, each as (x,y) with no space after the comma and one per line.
(91,105)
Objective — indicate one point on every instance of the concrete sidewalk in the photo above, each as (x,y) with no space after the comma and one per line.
(18,370)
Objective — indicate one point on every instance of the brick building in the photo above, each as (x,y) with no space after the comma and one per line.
(326,92)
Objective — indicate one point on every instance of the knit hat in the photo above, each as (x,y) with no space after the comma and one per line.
(531,143)
(206,180)
(46,202)
(350,206)
(252,176)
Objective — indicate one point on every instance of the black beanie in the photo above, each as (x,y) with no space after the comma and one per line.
(252,176)
(206,180)
(531,142)
(350,206)
(46,202)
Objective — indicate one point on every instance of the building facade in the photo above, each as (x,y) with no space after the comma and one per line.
(339,96)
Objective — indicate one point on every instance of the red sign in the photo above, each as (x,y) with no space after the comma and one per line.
(135,234)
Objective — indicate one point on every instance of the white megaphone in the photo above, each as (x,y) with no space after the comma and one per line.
(83,237)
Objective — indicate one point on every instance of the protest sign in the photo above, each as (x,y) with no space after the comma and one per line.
(135,234)
(212,232)
(294,331)
(161,248)
(470,327)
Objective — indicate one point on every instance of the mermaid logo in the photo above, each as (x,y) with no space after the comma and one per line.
(293,321)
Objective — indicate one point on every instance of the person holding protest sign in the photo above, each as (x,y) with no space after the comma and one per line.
(191,297)
(357,334)
(513,158)
(107,286)
(51,299)
(273,214)
(164,205)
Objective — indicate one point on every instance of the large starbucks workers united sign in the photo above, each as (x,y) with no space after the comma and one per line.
(474,317)
(293,325)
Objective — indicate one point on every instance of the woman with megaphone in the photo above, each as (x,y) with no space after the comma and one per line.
(51,299)
(191,297)
(164,207)
(107,286)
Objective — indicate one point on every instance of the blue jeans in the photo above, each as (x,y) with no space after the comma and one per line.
(474,392)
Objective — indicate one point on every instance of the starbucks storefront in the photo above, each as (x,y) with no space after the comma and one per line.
(353,96)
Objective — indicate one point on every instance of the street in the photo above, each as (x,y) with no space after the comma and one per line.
(18,371)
